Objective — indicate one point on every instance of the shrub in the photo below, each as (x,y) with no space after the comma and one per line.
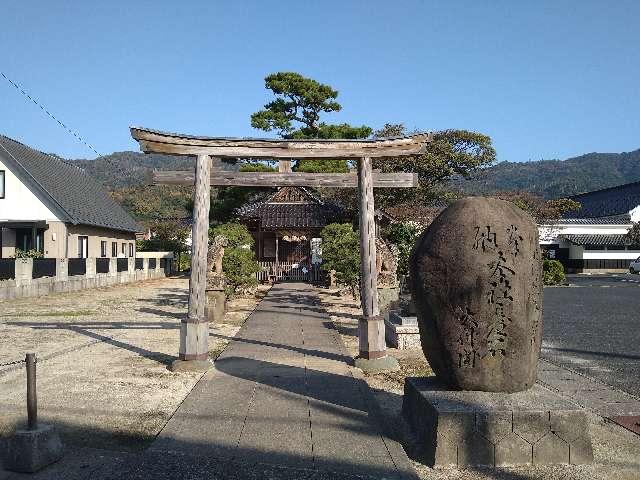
(28,254)
(240,268)
(404,236)
(341,252)
(552,272)
(239,262)
(236,234)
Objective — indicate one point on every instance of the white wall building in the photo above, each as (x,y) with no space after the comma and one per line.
(595,239)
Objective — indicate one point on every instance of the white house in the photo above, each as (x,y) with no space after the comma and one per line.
(52,206)
(593,238)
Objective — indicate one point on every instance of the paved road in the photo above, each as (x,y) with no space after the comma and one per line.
(593,327)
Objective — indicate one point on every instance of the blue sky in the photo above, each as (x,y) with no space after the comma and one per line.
(545,79)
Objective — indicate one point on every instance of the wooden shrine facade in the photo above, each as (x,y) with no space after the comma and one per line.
(194,330)
(284,226)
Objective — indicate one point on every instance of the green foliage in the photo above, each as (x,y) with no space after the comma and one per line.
(28,254)
(295,113)
(228,199)
(404,235)
(240,268)
(451,153)
(298,99)
(329,131)
(184,262)
(633,235)
(167,236)
(148,204)
(236,234)
(321,166)
(341,252)
(552,272)
(540,209)
(257,167)
(239,262)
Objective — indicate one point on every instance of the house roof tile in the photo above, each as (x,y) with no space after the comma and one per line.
(76,196)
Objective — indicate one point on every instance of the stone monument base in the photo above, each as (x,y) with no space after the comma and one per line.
(401,331)
(28,451)
(216,305)
(464,428)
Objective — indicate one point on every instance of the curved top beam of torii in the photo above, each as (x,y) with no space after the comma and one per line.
(153,141)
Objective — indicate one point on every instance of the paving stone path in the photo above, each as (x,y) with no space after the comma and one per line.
(283,396)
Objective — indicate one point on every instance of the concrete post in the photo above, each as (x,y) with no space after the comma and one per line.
(91,267)
(113,267)
(24,271)
(62,269)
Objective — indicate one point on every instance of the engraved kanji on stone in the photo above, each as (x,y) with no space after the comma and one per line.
(467,351)
(485,239)
(514,239)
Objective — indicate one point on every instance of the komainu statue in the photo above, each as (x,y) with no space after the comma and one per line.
(215,274)
(386,263)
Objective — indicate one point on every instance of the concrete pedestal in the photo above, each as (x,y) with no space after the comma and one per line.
(190,365)
(216,305)
(373,365)
(462,428)
(31,450)
(402,331)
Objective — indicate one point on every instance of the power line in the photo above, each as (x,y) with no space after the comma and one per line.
(26,95)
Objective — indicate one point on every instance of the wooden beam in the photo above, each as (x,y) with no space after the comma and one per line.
(152,141)
(280,179)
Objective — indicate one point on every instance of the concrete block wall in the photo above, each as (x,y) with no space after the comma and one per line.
(24,285)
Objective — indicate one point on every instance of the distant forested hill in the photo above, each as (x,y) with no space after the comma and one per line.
(126,175)
(128,169)
(556,178)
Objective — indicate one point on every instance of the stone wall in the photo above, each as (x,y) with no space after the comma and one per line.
(24,285)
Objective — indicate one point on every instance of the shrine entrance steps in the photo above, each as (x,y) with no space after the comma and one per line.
(281,402)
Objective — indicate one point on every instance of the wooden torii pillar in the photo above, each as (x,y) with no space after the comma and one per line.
(194,329)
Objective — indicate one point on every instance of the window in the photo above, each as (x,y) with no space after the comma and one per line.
(83,247)
(114,249)
(1,183)
(124,249)
(103,248)
(131,249)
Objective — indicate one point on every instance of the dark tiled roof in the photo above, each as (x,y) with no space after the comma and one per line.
(609,201)
(74,195)
(612,220)
(301,215)
(309,213)
(602,240)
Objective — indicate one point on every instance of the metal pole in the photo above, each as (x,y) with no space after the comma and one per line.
(32,397)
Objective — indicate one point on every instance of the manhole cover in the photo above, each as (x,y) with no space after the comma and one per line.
(630,422)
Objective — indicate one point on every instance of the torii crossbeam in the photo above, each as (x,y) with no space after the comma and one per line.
(194,331)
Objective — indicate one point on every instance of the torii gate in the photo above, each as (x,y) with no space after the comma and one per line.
(194,330)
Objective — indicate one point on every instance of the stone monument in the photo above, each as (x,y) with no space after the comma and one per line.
(216,282)
(476,280)
(387,270)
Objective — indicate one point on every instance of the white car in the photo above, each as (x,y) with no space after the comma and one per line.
(634,267)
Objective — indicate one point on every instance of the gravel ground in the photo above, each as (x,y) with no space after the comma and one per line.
(616,450)
(103,357)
